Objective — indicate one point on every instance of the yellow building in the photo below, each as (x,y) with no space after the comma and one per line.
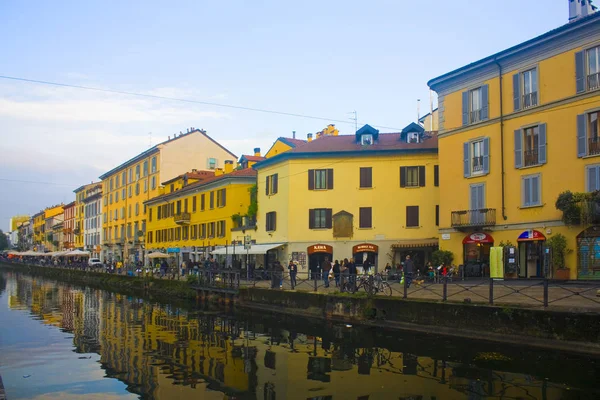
(39,228)
(53,219)
(191,219)
(17,220)
(517,128)
(282,144)
(137,180)
(368,196)
(80,196)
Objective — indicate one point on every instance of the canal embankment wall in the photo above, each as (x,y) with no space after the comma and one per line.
(564,330)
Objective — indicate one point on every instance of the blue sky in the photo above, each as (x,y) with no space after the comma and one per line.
(321,58)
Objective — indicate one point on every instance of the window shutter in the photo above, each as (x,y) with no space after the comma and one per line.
(402,176)
(592,179)
(474,205)
(465,108)
(437,215)
(224,198)
(311,179)
(518,148)
(412,216)
(486,155)
(436,175)
(581,136)
(579,72)
(267,222)
(311,219)
(330,178)
(535,190)
(517,91)
(267,185)
(275,183)
(466,160)
(484,102)
(526,191)
(542,143)
(422,175)
(274,221)
(328,218)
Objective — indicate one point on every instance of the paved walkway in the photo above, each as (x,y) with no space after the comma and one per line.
(561,296)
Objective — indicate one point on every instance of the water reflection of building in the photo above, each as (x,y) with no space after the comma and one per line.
(163,352)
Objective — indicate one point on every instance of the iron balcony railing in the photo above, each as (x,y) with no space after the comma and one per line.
(474,218)
(531,158)
(182,218)
(530,100)
(593,81)
(475,116)
(477,163)
(594,145)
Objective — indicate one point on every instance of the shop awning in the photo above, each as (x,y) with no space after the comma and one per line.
(530,236)
(478,237)
(407,243)
(254,249)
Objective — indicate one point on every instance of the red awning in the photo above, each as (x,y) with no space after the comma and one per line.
(478,237)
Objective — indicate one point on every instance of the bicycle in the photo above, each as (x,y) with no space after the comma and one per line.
(373,284)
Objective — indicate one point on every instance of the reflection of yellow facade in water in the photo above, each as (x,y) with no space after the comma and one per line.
(166,353)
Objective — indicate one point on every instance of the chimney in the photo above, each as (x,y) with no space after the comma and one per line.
(219,172)
(169,137)
(228,166)
(293,134)
(309,137)
(257,151)
(579,9)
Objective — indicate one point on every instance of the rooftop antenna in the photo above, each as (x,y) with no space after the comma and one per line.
(355,119)
(418,109)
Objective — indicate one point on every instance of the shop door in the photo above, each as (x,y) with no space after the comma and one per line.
(315,261)
(477,203)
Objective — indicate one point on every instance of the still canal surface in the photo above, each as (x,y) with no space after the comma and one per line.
(63,342)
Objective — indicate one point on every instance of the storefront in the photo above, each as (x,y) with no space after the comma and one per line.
(476,250)
(588,253)
(366,253)
(317,254)
(531,254)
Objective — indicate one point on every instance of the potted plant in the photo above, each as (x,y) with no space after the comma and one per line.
(559,249)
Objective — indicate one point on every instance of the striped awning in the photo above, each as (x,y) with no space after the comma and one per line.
(416,243)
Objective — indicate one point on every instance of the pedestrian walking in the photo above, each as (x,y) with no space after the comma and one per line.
(326,267)
(336,273)
(409,269)
(293,270)
(344,273)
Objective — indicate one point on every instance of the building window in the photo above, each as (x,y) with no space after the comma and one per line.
(145,170)
(531,190)
(130,190)
(212,200)
(221,229)
(221,198)
(153,186)
(475,105)
(123,193)
(530,92)
(202,202)
(530,146)
(185,205)
(320,218)
(320,179)
(137,188)
(477,159)
(194,233)
(159,212)
(271,184)
(129,215)
(412,176)
(436,175)
(211,230)
(124,178)
(412,216)
(366,177)
(150,215)
(137,209)
(437,215)
(130,175)
(365,217)
(137,172)
(412,137)
(202,231)
(177,233)
(593,68)
(366,139)
(212,163)
(145,185)
(153,166)
(178,207)
(117,182)
(588,134)
(185,232)
(194,204)
(111,183)
(592,178)
(271,221)
(111,199)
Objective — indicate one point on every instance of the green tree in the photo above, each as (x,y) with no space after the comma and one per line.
(3,241)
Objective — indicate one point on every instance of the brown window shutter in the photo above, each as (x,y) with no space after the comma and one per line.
(437,215)
(402,176)
(267,185)
(274,221)
(436,175)
(422,176)
(330,178)
(224,197)
(311,219)
(311,179)
(202,202)
(275,183)
(369,177)
(365,217)
(366,180)
(412,216)
(328,218)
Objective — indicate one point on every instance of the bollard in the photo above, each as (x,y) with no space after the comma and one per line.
(545,292)
(445,291)
(405,286)
(491,291)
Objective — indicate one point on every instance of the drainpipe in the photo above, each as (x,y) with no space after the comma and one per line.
(501,139)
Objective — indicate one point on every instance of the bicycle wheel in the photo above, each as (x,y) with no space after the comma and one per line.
(385,288)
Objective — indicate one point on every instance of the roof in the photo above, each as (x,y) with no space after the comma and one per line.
(412,127)
(156,148)
(253,158)
(292,142)
(71,204)
(89,185)
(347,145)
(192,175)
(427,115)
(549,36)
(237,174)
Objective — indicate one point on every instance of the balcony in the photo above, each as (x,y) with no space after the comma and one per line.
(530,100)
(593,81)
(477,164)
(475,116)
(474,218)
(244,224)
(182,218)
(594,145)
(531,158)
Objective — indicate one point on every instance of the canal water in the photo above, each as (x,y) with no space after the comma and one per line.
(63,342)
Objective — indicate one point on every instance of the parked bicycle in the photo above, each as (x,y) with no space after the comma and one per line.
(372,284)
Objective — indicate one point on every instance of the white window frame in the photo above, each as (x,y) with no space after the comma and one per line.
(318,182)
(476,144)
(412,135)
(475,113)
(587,176)
(527,99)
(588,73)
(524,182)
(366,139)
(408,182)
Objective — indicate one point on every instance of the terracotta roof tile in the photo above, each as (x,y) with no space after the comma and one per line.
(254,158)
(292,141)
(348,143)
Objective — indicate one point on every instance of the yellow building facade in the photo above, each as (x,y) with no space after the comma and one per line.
(80,196)
(370,196)
(283,144)
(39,227)
(17,221)
(190,219)
(53,219)
(126,188)
(518,128)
